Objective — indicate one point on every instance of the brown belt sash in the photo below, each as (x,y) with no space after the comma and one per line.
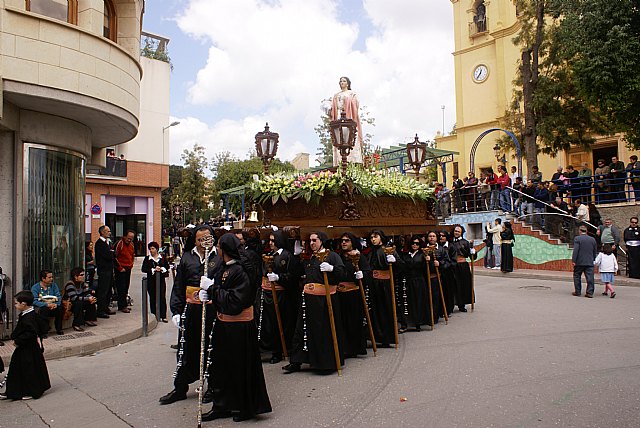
(245,315)
(317,289)
(344,287)
(193,297)
(266,285)
(461,259)
(381,274)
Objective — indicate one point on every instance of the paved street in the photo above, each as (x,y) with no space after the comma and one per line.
(530,355)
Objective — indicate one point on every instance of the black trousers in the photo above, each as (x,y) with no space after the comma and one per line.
(103,294)
(122,285)
(83,311)
(56,313)
(151,290)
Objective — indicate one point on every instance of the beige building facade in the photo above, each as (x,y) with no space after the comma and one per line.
(486,63)
(71,74)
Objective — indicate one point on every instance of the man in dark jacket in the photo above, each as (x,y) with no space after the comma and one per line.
(104,264)
(585,251)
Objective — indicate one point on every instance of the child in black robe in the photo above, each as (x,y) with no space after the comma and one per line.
(27,376)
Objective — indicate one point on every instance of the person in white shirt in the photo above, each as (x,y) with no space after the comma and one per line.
(497,241)
(608,266)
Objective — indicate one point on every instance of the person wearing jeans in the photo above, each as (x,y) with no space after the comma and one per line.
(585,251)
(497,241)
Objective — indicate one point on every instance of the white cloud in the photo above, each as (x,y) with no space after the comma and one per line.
(276,60)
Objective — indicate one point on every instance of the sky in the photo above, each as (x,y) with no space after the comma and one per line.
(240,64)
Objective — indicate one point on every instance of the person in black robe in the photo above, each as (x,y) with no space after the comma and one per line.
(460,251)
(416,279)
(284,277)
(28,376)
(156,267)
(446,274)
(350,299)
(236,378)
(187,311)
(508,240)
(631,236)
(312,340)
(438,259)
(380,290)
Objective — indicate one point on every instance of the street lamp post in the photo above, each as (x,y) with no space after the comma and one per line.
(266,146)
(343,137)
(417,154)
(496,152)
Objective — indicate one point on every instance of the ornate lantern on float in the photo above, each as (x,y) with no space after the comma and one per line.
(417,154)
(267,146)
(343,137)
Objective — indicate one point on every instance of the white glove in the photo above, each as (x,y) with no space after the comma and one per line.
(326,267)
(176,320)
(273,277)
(359,274)
(203,296)
(205,283)
(391,258)
(473,251)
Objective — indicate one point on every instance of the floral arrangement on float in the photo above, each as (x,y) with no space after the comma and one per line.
(312,187)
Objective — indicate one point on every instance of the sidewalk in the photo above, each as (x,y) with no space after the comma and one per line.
(550,275)
(118,329)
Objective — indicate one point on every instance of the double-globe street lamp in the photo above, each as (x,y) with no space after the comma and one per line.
(266,146)
(417,154)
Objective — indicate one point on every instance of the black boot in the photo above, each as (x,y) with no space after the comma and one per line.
(207,397)
(292,367)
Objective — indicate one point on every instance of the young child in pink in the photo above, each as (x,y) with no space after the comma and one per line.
(608,266)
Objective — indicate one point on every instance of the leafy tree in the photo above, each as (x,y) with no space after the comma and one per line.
(325,151)
(190,193)
(601,40)
(175,178)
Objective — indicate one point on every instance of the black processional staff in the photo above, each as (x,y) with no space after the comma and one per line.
(428,250)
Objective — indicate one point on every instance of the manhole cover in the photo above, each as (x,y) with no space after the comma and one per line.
(535,287)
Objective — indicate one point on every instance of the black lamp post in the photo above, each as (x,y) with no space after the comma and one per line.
(496,152)
(417,154)
(343,137)
(266,146)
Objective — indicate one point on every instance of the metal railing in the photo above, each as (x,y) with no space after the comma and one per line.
(115,167)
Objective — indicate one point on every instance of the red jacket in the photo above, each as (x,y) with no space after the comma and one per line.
(125,255)
(504,180)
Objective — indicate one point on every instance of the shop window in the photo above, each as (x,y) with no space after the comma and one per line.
(63,10)
(109,27)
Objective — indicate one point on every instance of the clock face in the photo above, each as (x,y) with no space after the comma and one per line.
(480,73)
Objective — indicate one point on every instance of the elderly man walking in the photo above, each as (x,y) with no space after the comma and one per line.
(585,251)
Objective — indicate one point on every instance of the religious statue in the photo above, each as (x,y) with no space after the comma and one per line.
(347,101)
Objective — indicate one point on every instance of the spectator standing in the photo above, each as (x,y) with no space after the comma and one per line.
(618,175)
(83,302)
(554,222)
(571,183)
(492,180)
(527,199)
(485,192)
(514,174)
(594,215)
(155,264)
(558,179)
(601,175)
(633,168)
(443,196)
(505,195)
(456,194)
(125,256)
(584,253)
(585,181)
(581,213)
(48,300)
(104,266)
(89,263)
(471,192)
(489,261)
(177,246)
(497,241)
(632,241)
(517,196)
(28,376)
(536,175)
(608,266)
(541,196)
(609,234)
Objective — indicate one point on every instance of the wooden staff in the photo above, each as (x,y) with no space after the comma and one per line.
(426,252)
(268,261)
(389,251)
(207,243)
(444,303)
(336,351)
(473,293)
(355,260)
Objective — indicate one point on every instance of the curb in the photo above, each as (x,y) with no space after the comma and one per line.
(522,273)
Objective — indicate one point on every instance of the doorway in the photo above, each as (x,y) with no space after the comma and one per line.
(120,224)
(605,153)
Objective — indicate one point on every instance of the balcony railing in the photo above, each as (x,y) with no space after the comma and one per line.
(116,167)
(479,26)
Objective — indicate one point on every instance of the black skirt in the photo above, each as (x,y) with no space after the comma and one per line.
(380,304)
(506,265)
(353,323)
(462,275)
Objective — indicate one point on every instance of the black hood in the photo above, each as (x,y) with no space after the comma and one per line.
(230,245)
(280,239)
